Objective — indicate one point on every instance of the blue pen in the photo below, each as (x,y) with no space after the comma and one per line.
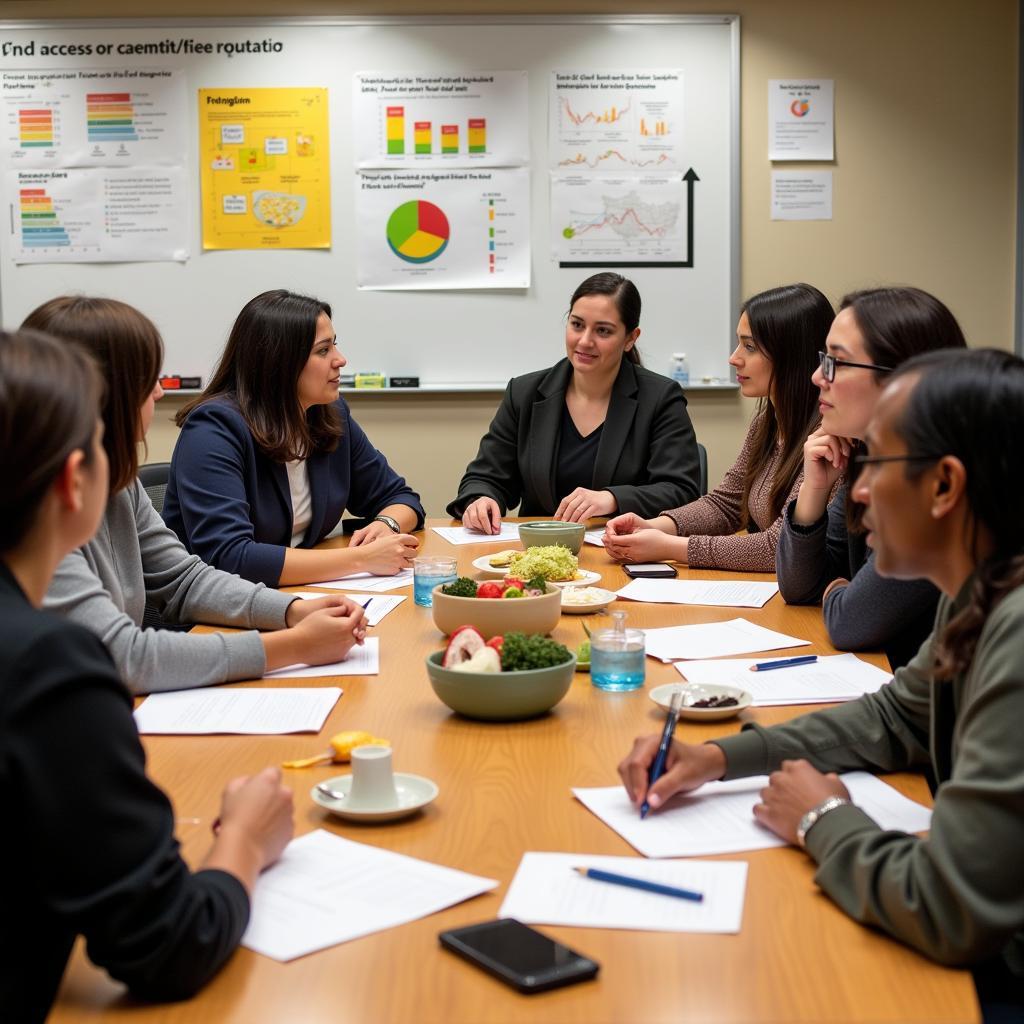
(658,768)
(767,666)
(640,883)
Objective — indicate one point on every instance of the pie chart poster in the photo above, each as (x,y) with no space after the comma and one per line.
(443,229)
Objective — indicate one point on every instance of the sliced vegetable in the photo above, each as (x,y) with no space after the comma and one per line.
(462,645)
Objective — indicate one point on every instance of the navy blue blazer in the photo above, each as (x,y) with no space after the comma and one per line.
(231,505)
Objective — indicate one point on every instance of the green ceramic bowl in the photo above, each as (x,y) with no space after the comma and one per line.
(500,696)
(569,535)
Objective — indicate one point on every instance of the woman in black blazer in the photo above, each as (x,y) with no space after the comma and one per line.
(594,435)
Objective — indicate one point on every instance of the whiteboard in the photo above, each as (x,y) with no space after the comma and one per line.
(449,339)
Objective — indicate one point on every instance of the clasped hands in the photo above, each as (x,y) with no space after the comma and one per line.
(484,514)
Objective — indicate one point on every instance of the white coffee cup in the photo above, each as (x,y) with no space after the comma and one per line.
(373,781)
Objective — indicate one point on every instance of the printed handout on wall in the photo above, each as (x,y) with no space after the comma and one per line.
(423,119)
(801,119)
(264,156)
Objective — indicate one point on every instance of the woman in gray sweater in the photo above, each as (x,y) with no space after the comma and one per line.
(104,585)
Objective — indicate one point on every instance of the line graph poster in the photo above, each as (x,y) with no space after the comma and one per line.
(443,229)
(602,220)
(616,121)
(413,120)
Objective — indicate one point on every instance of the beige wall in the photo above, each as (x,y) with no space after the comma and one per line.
(924,184)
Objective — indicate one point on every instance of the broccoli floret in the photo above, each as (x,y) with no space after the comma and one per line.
(462,587)
(519,652)
(537,583)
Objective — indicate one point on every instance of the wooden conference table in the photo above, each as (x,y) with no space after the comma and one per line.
(505,789)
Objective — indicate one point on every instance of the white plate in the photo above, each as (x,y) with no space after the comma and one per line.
(662,695)
(584,609)
(296,208)
(586,576)
(484,565)
(414,792)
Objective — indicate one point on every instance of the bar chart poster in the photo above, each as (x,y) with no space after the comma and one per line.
(458,229)
(121,117)
(412,120)
(97,215)
(265,159)
(616,121)
(601,220)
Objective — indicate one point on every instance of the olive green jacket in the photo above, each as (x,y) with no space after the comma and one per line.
(957,895)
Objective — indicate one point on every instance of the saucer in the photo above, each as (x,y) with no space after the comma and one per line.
(414,792)
(604,598)
(662,695)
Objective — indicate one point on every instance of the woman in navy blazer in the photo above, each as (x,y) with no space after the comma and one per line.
(269,457)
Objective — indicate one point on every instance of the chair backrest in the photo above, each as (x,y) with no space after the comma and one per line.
(154,476)
(702,455)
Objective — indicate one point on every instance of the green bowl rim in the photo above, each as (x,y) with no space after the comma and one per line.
(515,672)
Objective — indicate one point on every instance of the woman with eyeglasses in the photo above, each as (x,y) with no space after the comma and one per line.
(822,555)
(944,503)
(778,337)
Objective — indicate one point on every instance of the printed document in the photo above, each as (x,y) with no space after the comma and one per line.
(715,640)
(721,593)
(360,661)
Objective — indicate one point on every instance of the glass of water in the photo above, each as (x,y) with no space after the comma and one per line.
(427,572)
(617,657)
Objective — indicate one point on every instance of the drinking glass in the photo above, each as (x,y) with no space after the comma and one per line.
(617,657)
(427,572)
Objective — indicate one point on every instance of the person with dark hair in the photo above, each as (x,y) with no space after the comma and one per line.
(269,458)
(778,337)
(593,435)
(942,500)
(96,854)
(822,557)
(105,584)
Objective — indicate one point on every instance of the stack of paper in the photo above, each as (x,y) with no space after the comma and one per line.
(546,890)
(462,535)
(721,593)
(375,606)
(362,660)
(837,678)
(719,817)
(367,581)
(325,890)
(715,640)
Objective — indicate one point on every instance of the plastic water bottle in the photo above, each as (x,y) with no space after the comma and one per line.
(680,368)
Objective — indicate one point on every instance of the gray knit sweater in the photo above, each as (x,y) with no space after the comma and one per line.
(104,586)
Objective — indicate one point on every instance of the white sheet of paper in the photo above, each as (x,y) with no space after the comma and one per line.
(325,890)
(365,581)
(254,710)
(546,890)
(376,609)
(594,537)
(801,195)
(462,535)
(801,119)
(836,678)
(719,817)
(721,593)
(360,661)
(715,640)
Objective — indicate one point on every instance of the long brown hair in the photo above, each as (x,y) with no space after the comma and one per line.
(267,349)
(789,325)
(50,396)
(129,351)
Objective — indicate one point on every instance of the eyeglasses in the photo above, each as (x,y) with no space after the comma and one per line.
(829,363)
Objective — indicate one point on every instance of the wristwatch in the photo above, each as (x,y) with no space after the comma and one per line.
(814,815)
(391,524)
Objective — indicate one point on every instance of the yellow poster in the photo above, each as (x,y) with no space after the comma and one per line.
(265,168)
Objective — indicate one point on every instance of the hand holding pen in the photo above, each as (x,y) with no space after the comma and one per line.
(658,767)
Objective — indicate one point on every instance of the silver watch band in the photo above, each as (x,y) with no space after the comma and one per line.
(392,524)
(815,814)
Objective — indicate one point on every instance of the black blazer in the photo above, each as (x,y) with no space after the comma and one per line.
(647,456)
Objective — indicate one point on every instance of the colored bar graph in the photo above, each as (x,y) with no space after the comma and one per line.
(39,225)
(396,130)
(421,136)
(449,138)
(35,128)
(477,135)
(659,128)
(490,243)
(111,117)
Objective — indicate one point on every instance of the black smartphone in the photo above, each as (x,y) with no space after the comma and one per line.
(650,570)
(519,955)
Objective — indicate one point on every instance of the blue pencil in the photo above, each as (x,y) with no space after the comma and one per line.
(767,666)
(639,883)
(658,768)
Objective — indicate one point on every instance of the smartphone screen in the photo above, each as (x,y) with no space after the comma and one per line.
(519,955)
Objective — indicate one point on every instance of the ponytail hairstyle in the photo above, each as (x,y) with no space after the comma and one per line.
(789,325)
(129,352)
(623,293)
(897,324)
(961,405)
(50,395)
(265,354)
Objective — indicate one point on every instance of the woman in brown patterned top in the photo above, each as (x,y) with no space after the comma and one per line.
(778,337)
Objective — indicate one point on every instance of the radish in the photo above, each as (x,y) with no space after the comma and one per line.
(462,645)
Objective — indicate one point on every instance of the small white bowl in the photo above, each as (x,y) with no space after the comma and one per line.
(662,695)
(604,598)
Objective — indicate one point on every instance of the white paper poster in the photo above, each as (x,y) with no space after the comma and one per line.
(801,195)
(617,121)
(443,229)
(428,119)
(801,119)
